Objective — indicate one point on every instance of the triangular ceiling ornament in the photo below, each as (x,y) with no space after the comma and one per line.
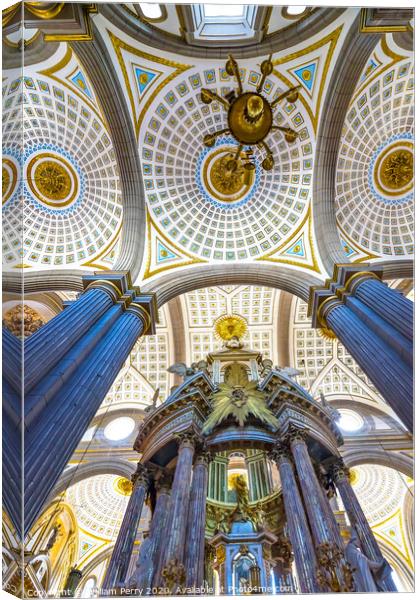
(84,547)
(309,68)
(353,251)
(162,253)
(298,249)
(69,73)
(79,81)
(392,532)
(307,74)
(144,76)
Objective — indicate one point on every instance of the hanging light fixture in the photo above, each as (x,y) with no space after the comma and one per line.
(250,118)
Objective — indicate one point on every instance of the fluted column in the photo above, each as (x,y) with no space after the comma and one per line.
(375,325)
(120,558)
(45,348)
(195,539)
(357,518)
(52,439)
(325,531)
(383,365)
(388,303)
(149,555)
(173,568)
(300,536)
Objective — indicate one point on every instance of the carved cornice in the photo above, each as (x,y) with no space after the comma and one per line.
(118,285)
(346,277)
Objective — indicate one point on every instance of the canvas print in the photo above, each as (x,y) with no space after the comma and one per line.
(208,296)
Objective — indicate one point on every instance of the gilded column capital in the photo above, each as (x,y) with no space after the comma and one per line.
(296,435)
(204,456)
(280,452)
(189,438)
(140,476)
(339,471)
(163,483)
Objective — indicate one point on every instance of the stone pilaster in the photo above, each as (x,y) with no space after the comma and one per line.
(195,539)
(121,554)
(357,518)
(300,536)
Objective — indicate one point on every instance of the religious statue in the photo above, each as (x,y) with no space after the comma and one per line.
(369,575)
(258,517)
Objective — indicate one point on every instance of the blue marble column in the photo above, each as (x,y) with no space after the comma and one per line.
(299,532)
(47,346)
(357,518)
(12,431)
(383,365)
(195,539)
(120,559)
(149,555)
(173,568)
(389,304)
(51,440)
(325,531)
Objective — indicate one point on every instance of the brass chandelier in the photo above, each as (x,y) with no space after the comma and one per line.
(250,119)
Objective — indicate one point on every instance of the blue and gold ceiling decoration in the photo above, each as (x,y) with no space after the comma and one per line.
(145,73)
(310,68)
(375,173)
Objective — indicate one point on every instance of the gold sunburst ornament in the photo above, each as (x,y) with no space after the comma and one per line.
(239,398)
(227,327)
(249,118)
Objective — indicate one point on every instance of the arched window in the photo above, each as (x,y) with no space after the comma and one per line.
(89,589)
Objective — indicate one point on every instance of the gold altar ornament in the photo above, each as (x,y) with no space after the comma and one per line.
(227,327)
(239,398)
(249,116)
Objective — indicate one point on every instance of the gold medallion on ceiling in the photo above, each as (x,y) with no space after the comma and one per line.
(123,486)
(394,169)
(226,176)
(9,175)
(227,327)
(52,180)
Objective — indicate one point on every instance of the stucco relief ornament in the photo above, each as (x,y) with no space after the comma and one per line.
(239,398)
(173,574)
(22,320)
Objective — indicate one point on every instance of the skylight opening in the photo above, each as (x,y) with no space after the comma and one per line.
(350,421)
(224,10)
(119,429)
(151,11)
(296,10)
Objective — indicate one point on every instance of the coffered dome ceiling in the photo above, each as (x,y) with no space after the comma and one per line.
(61,199)
(191,218)
(375,195)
